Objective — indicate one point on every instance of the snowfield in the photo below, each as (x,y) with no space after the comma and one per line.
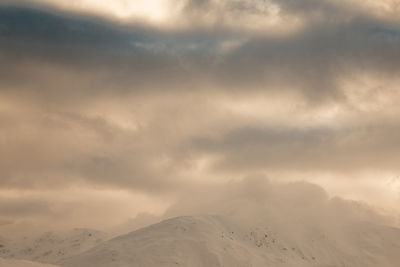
(211,241)
(22,263)
(51,247)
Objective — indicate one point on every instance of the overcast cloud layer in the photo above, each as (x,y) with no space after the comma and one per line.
(102,109)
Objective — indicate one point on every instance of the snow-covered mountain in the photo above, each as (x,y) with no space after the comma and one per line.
(51,247)
(209,241)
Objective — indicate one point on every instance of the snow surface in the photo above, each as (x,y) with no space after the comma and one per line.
(22,263)
(208,241)
(51,247)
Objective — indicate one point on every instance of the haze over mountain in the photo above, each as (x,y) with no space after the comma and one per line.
(260,224)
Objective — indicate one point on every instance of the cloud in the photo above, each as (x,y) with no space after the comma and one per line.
(136,57)
(71,64)
(325,149)
(100,103)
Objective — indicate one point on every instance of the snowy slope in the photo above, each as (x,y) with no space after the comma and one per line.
(6,247)
(51,247)
(21,263)
(209,241)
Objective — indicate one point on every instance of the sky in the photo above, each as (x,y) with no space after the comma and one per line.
(121,112)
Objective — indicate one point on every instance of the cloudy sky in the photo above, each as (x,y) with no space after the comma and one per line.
(115,109)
